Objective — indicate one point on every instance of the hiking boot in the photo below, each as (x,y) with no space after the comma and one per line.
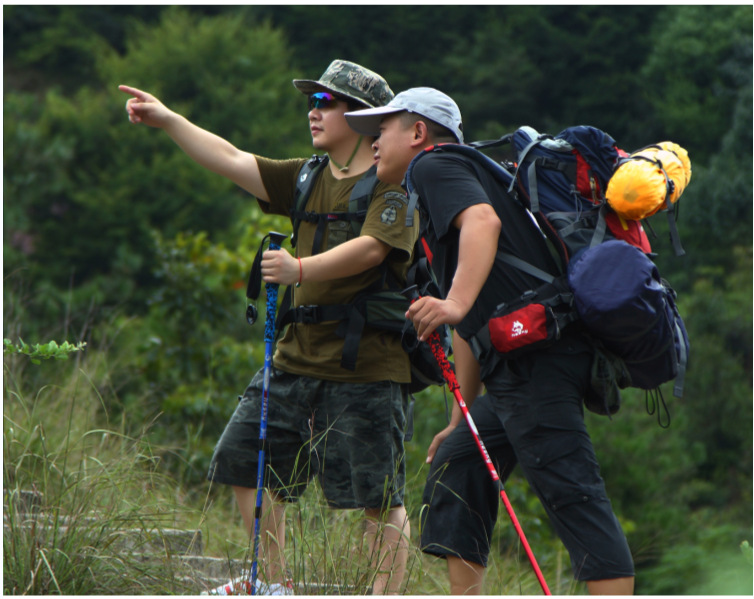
(242,586)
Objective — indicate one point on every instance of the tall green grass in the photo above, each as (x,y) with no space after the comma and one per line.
(101,496)
(106,493)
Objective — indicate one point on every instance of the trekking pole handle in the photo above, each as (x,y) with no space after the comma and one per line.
(435,345)
(276,240)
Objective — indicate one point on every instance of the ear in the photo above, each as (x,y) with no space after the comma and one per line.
(421,134)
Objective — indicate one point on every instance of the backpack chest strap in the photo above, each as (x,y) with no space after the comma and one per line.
(322,220)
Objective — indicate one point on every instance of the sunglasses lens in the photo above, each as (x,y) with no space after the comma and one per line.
(321,100)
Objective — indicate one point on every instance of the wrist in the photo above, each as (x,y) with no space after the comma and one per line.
(460,306)
(172,122)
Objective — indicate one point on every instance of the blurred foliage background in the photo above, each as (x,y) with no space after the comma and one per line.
(113,237)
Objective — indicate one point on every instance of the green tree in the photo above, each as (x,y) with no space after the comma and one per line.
(84,188)
(698,64)
(702,60)
(551,67)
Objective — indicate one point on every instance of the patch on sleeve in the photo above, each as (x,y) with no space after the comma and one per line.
(394,203)
(394,195)
(389,215)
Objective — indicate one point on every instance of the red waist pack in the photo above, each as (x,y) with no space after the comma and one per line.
(534,320)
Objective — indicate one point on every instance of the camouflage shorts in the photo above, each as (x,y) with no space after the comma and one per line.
(348,435)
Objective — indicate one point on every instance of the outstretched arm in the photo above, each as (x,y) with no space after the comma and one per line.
(207,149)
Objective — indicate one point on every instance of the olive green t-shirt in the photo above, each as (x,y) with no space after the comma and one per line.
(314,349)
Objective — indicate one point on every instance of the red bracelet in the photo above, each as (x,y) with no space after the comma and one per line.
(300,272)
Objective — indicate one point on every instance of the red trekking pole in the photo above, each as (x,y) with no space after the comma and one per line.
(450,377)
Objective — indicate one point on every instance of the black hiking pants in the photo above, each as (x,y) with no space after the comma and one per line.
(532,415)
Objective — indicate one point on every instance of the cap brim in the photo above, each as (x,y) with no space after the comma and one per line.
(308,86)
(367,121)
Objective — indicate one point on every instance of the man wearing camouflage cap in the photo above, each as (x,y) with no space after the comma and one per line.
(344,425)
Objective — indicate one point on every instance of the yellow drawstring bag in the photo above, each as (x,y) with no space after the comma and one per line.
(682,155)
(642,183)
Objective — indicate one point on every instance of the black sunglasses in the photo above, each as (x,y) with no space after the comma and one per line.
(322,100)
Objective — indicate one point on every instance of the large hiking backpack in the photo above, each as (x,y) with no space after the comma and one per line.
(562,181)
(565,179)
(382,306)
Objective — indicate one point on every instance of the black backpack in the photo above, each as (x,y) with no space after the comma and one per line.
(383,305)
(566,181)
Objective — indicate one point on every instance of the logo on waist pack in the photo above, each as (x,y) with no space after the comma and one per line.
(518,329)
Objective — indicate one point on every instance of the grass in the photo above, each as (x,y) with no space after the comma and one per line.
(102,498)
(106,495)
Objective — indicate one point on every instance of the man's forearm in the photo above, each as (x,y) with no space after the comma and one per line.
(350,258)
(216,154)
(477,247)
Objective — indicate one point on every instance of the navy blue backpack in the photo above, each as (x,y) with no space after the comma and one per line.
(623,301)
(584,156)
(562,180)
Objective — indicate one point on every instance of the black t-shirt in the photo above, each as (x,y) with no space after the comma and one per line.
(447,184)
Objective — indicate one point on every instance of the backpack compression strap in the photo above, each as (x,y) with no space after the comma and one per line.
(542,162)
(670,208)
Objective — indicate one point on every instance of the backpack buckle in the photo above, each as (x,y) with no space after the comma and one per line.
(308,314)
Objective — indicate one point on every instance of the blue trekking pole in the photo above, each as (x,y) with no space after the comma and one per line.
(276,240)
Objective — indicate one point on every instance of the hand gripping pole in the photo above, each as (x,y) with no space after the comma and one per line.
(435,346)
(276,240)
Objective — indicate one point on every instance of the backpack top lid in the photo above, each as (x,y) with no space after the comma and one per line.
(596,147)
(591,152)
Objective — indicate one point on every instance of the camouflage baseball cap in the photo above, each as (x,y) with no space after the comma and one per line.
(352,81)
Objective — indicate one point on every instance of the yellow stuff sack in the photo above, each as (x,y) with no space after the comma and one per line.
(645,181)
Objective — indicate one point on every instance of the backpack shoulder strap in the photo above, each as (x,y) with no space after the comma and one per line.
(499,172)
(413,196)
(361,197)
(304,183)
(497,169)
